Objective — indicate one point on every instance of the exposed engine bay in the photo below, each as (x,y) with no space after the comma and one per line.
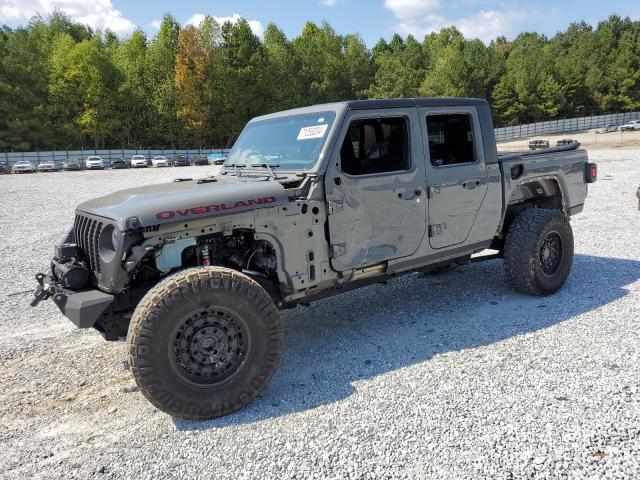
(240,252)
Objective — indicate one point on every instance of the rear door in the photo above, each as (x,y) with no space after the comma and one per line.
(375,188)
(456,172)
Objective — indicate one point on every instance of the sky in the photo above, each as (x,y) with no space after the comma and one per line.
(372,19)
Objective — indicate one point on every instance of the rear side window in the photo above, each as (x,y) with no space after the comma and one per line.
(450,139)
(376,145)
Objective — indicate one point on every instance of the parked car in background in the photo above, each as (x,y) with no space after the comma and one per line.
(199,160)
(139,161)
(48,166)
(160,161)
(538,144)
(23,166)
(181,161)
(119,163)
(631,126)
(70,165)
(94,163)
(3,169)
(566,141)
(216,158)
(607,128)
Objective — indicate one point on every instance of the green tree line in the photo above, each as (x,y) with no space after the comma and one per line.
(63,85)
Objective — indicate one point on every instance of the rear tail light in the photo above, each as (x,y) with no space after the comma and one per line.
(591,172)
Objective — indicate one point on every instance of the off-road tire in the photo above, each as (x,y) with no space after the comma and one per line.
(523,251)
(159,313)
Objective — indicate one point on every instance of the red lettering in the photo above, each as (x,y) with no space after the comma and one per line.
(201,210)
(164,215)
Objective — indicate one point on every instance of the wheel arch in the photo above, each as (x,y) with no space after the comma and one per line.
(537,192)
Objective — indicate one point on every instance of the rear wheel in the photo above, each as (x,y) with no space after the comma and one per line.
(538,251)
(204,342)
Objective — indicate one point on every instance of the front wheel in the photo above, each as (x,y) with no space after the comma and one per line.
(538,251)
(204,342)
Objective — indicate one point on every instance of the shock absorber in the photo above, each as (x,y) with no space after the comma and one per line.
(206,261)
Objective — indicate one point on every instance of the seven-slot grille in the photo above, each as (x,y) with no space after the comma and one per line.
(87,232)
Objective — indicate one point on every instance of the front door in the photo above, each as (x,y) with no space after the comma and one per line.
(375,189)
(456,172)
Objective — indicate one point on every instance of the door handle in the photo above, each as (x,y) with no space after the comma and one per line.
(471,184)
(410,193)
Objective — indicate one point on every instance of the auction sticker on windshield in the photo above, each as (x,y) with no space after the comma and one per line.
(315,131)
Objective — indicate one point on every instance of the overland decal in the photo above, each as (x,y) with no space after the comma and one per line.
(216,207)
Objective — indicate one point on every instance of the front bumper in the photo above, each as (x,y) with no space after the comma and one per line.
(83,308)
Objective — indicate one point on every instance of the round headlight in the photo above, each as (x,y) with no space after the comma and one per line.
(108,243)
(115,239)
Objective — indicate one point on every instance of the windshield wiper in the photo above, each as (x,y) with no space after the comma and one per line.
(206,180)
(268,166)
(236,166)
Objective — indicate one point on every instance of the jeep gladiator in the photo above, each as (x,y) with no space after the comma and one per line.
(310,202)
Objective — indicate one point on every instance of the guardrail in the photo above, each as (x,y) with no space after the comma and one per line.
(565,125)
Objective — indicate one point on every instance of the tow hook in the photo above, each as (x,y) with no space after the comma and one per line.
(42,291)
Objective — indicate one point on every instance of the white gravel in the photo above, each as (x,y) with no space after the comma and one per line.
(449,376)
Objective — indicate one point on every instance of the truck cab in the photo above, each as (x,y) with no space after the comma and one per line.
(412,181)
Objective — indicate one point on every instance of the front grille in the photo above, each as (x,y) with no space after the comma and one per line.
(87,232)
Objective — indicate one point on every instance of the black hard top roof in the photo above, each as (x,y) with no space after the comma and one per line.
(414,102)
(373,104)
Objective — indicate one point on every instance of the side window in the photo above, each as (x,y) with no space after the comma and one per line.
(450,139)
(376,145)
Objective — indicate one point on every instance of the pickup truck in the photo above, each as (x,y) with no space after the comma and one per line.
(310,202)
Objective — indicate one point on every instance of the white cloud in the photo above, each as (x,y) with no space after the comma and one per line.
(489,24)
(329,3)
(155,24)
(195,19)
(98,14)
(256,26)
(420,17)
(408,9)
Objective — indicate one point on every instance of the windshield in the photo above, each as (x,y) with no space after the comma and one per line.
(292,142)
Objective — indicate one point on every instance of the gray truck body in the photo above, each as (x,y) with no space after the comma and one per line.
(305,233)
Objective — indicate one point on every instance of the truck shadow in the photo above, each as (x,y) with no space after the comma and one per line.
(382,328)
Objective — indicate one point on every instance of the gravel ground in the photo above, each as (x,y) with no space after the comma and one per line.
(448,376)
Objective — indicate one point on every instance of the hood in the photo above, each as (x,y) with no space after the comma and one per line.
(177,201)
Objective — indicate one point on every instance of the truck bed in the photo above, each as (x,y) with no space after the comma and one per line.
(558,171)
